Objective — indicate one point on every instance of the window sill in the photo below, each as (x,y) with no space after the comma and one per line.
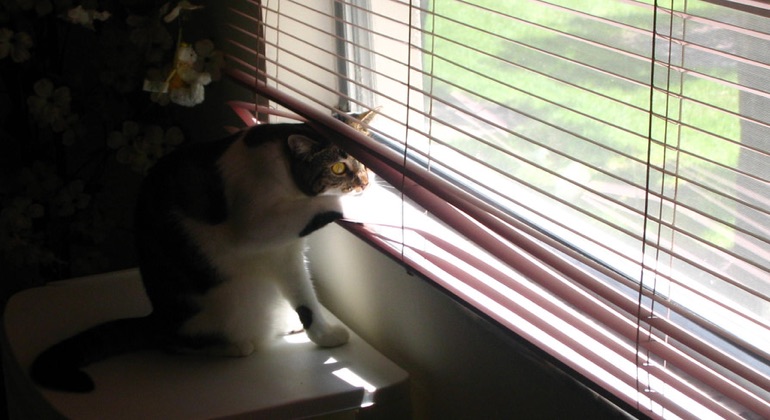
(295,378)
(409,235)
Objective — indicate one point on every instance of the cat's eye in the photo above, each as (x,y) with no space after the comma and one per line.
(338,168)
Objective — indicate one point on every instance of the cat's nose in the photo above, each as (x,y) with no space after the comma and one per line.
(363,182)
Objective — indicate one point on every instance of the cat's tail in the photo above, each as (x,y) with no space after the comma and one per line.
(59,366)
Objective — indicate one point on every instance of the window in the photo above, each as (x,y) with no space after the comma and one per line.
(596,174)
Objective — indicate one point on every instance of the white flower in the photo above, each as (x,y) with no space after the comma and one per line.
(188,96)
(186,84)
(156,82)
(86,17)
(183,5)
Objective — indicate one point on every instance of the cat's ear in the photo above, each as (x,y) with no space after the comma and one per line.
(366,117)
(363,119)
(301,145)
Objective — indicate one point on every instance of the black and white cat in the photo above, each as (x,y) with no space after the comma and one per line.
(220,230)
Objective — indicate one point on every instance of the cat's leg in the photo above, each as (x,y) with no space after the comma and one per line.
(235,318)
(298,289)
(319,329)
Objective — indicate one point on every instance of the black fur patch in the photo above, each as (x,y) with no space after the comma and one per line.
(186,181)
(260,134)
(305,316)
(56,370)
(320,220)
(58,367)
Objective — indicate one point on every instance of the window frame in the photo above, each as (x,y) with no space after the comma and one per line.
(388,161)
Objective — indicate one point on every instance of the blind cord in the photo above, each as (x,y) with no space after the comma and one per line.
(640,389)
(406,131)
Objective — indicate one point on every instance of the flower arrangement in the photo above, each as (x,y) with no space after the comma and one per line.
(91,92)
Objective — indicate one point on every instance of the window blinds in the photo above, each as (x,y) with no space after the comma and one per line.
(614,153)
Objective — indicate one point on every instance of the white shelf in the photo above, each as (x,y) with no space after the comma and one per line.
(285,380)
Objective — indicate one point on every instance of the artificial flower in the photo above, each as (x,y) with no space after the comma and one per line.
(51,106)
(71,198)
(156,83)
(141,146)
(42,7)
(19,214)
(16,45)
(186,84)
(209,59)
(181,7)
(194,68)
(160,98)
(5,42)
(86,17)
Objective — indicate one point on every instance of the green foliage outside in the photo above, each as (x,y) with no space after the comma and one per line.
(482,60)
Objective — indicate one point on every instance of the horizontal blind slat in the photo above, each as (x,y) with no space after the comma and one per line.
(574,274)
(623,394)
(622,301)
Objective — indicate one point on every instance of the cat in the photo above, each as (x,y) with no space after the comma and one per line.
(220,229)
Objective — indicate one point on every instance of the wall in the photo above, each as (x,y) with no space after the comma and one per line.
(461,367)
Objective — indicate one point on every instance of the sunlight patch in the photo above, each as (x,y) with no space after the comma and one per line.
(352,378)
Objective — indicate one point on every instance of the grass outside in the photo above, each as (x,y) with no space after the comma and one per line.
(591,130)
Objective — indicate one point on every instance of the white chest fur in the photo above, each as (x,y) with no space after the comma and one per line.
(265,208)
(248,307)
(258,248)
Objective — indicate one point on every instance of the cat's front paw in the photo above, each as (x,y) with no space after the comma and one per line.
(329,336)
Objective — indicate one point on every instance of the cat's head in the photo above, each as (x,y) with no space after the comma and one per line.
(320,167)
